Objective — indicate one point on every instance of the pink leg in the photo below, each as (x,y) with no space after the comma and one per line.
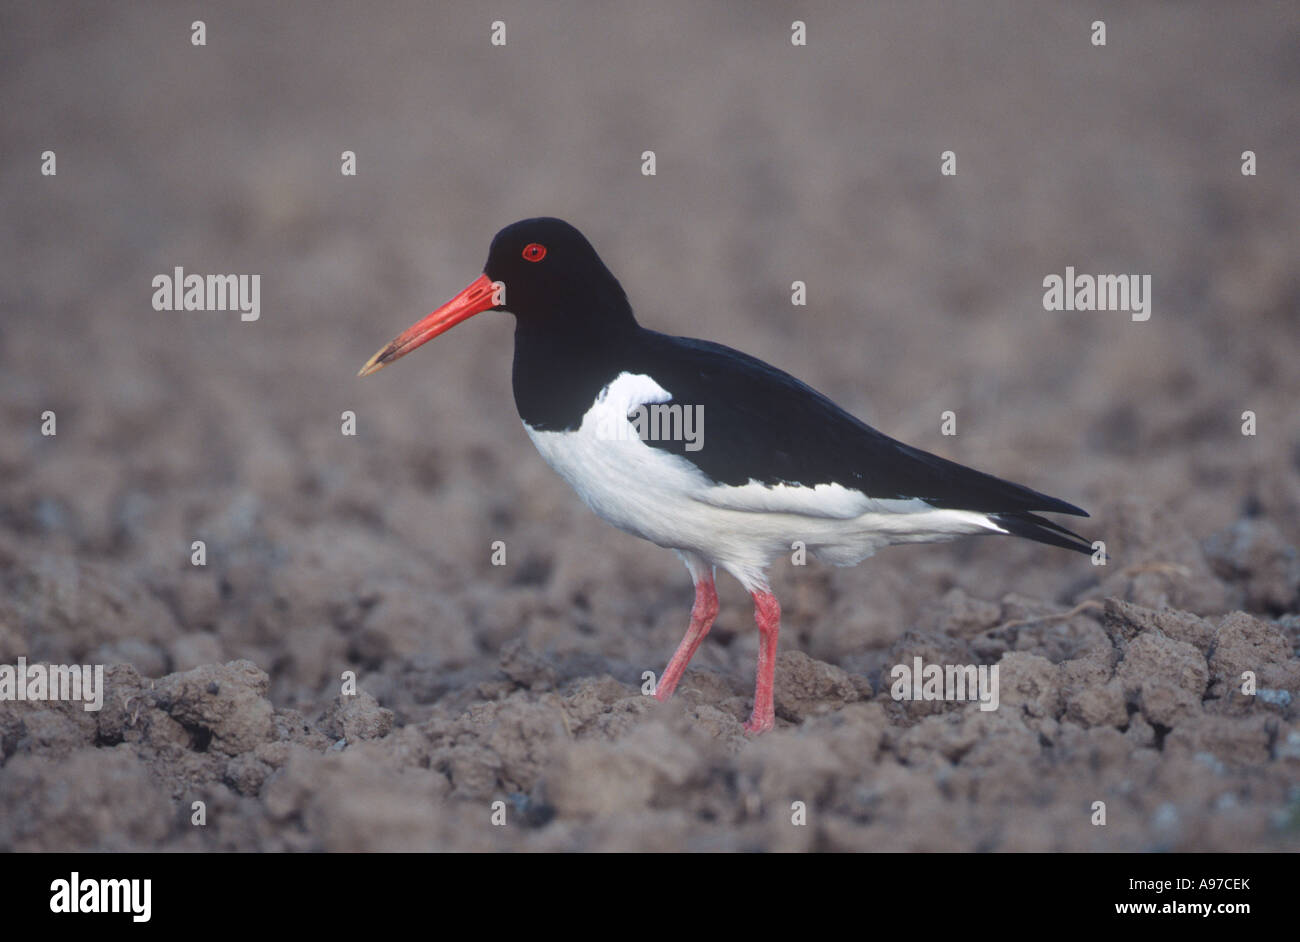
(767,612)
(703,612)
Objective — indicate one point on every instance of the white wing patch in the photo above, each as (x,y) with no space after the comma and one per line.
(833,501)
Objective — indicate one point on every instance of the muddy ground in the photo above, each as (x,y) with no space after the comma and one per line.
(521,683)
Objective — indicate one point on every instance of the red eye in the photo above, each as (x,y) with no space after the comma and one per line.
(534,252)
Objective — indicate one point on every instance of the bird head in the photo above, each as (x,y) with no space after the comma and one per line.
(545,272)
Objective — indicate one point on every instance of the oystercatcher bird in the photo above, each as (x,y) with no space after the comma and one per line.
(754,461)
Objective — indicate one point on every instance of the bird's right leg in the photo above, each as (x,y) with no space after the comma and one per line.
(703,612)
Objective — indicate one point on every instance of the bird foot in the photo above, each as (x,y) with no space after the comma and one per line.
(760,724)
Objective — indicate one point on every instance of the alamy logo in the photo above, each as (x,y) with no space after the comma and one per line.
(76,895)
(1098,293)
(53,682)
(923,681)
(181,292)
(657,422)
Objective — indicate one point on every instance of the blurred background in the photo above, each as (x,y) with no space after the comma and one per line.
(774,163)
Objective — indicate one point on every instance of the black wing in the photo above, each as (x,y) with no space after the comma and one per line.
(762,424)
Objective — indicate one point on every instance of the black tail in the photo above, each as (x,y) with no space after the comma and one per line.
(1034,527)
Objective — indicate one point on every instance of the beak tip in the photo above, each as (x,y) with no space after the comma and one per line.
(377,362)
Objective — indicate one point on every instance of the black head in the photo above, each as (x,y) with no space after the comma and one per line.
(552,281)
(553,278)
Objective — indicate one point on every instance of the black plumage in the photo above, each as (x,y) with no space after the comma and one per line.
(576,333)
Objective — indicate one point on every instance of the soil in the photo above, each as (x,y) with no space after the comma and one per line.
(521,684)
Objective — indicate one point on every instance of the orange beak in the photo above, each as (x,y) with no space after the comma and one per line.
(481,294)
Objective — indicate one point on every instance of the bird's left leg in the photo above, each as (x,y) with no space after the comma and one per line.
(767,612)
(703,612)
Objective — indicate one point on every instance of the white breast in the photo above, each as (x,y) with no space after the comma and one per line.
(633,486)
